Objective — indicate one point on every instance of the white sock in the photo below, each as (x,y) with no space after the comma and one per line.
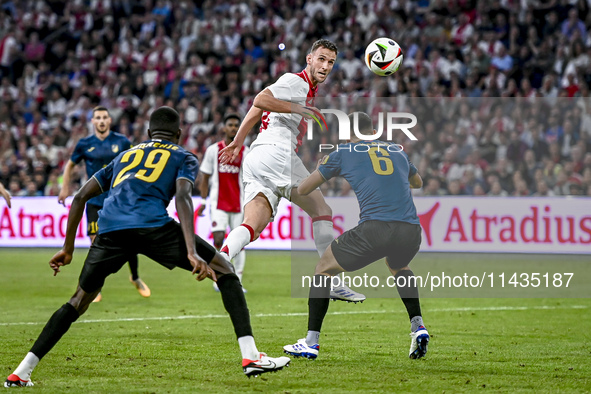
(248,348)
(236,241)
(312,338)
(323,235)
(26,366)
(415,323)
(239,262)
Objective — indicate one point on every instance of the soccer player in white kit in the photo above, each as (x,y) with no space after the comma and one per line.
(223,183)
(272,170)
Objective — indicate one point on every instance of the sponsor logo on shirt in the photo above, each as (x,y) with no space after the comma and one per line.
(228,168)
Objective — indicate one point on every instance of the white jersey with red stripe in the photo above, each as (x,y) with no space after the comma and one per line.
(225,182)
(287,128)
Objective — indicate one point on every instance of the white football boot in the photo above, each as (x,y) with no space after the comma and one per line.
(419,343)
(302,349)
(264,364)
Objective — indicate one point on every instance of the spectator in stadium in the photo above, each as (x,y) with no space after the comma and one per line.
(223,184)
(454,188)
(543,190)
(573,26)
(272,171)
(521,189)
(388,227)
(134,220)
(433,188)
(97,151)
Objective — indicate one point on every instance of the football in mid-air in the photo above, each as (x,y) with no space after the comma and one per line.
(383,56)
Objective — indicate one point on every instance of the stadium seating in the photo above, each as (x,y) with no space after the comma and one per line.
(60,59)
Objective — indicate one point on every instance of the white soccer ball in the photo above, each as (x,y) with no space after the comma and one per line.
(383,56)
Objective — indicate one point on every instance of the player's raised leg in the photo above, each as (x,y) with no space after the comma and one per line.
(257,213)
(321,213)
(238,261)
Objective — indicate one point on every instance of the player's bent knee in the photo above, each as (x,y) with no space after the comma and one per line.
(81,299)
(225,277)
(396,270)
(221,266)
(329,269)
(328,265)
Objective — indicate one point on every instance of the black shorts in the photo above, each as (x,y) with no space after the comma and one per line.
(165,245)
(92,219)
(372,240)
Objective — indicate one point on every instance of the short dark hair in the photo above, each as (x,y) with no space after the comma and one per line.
(165,120)
(324,43)
(100,108)
(364,123)
(232,116)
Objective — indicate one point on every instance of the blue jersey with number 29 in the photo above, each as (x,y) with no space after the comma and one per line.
(141,182)
(378,172)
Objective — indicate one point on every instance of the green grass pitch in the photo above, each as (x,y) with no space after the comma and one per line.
(180,339)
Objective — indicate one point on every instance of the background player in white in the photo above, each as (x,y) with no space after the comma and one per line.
(223,183)
(272,169)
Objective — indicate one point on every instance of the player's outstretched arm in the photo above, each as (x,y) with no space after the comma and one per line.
(184,207)
(65,190)
(203,190)
(231,152)
(313,181)
(4,193)
(90,189)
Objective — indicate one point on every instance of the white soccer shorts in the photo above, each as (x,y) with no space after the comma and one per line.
(220,220)
(272,170)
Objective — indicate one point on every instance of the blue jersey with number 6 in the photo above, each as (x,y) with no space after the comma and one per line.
(141,182)
(378,172)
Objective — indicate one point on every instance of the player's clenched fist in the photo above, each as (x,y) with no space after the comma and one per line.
(59,259)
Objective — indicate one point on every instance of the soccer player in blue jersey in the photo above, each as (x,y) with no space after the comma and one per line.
(141,182)
(381,176)
(97,151)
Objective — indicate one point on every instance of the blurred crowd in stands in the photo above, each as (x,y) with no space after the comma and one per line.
(500,88)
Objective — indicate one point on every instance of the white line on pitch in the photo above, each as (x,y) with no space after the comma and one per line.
(185,317)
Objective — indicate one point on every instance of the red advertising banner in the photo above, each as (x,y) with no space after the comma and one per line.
(460,224)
